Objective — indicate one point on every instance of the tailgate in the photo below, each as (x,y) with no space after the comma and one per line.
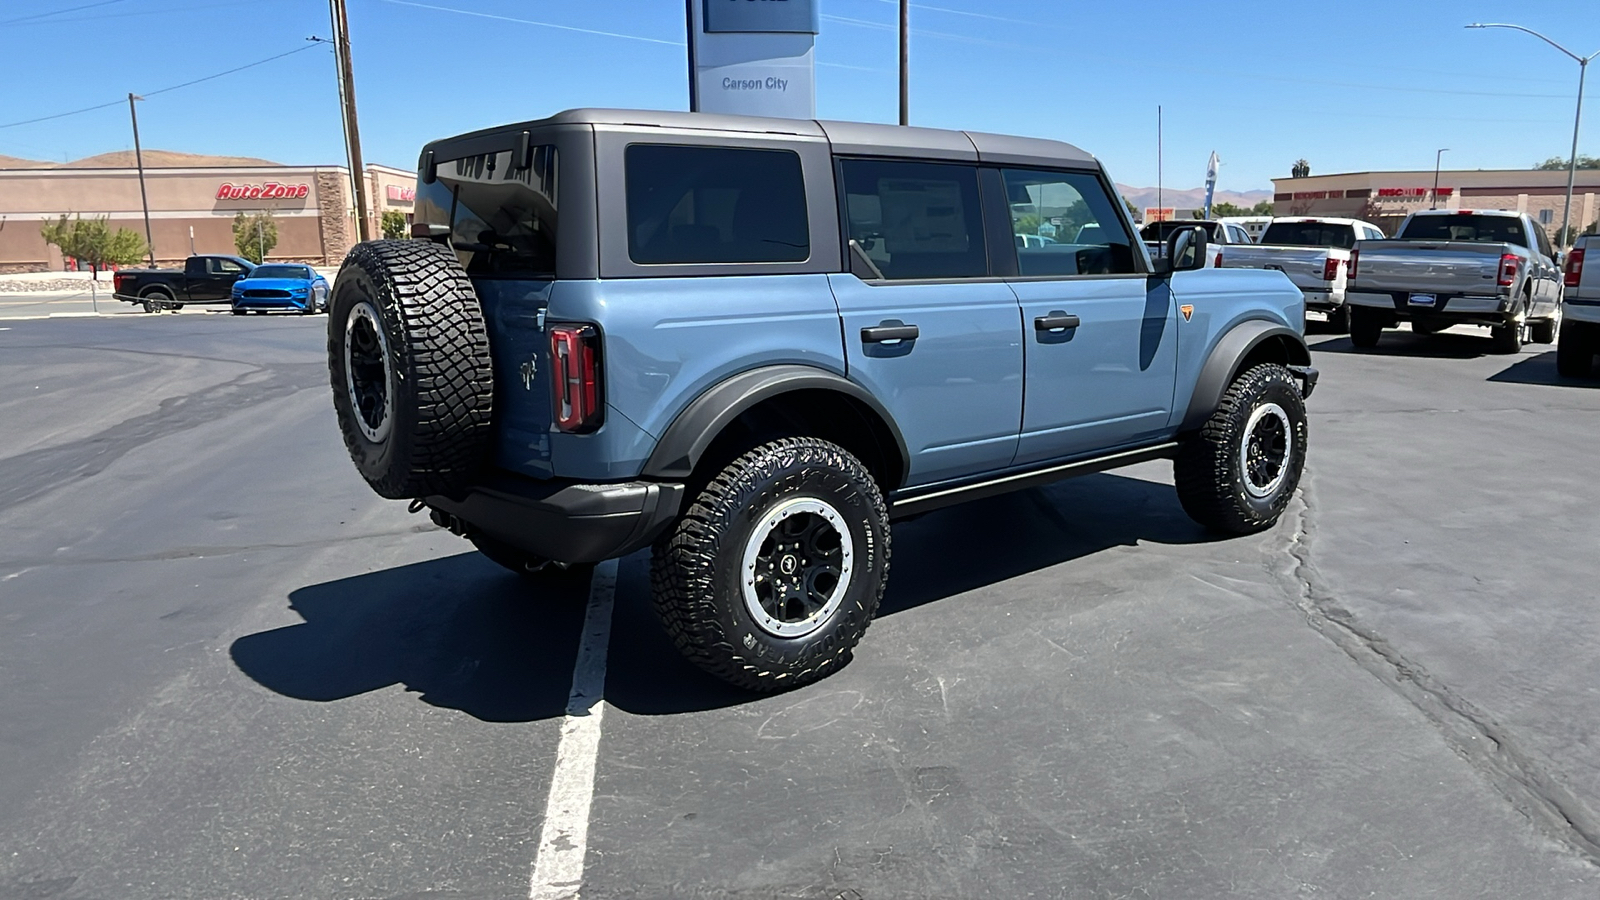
(1449,267)
(514,311)
(1304,265)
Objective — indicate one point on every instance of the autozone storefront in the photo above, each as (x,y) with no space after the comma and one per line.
(1386,198)
(192,209)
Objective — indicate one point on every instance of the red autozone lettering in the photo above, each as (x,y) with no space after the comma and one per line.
(271,190)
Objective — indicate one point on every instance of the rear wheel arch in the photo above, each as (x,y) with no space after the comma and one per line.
(1243,347)
(780,401)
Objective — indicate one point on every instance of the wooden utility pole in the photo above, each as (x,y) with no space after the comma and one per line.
(347,84)
(905,62)
(138,160)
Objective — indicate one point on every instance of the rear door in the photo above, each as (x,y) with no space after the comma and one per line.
(927,327)
(1100,335)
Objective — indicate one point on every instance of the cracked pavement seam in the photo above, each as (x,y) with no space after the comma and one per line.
(1472,733)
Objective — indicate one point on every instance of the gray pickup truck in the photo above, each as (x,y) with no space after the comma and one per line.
(1315,254)
(1458,267)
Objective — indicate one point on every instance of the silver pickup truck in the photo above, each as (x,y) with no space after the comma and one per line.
(1315,253)
(1580,311)
(1458,267)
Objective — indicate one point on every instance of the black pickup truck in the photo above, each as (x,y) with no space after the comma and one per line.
(203,279)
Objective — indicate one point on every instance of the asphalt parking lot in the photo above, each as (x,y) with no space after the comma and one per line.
(227,669)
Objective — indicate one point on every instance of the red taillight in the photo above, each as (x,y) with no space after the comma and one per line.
(1330,269)
(575,379)
(1354,255)
(1508,269)
(119,279)
(1219,259)
(1574,268)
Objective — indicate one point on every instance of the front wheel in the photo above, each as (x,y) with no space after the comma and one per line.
(772,576)
(1237,473)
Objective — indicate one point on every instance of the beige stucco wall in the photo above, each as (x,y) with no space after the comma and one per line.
(1361,193)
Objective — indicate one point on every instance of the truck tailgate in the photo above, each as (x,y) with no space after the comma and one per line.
(1462,267)
(1305,266)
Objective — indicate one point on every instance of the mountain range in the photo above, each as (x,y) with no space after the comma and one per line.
(1189,198)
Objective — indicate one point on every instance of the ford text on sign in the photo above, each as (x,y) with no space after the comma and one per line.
(272,190)
(771,16)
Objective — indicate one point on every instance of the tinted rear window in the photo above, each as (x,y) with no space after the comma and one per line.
(502,219)
(1309,234)
(1160,231)
(1466,227)
(690,205)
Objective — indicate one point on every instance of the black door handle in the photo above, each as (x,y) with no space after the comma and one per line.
(879,334)
(1055,322)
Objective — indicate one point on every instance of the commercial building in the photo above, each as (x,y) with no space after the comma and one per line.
(192,206)
(1385,198)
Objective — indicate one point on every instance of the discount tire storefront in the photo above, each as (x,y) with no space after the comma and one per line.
(192,208)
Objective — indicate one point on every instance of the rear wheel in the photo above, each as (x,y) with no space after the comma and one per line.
(1507,337)
(1339,319)
(1366,326)
(1544,331)
(1575,350)
(1237,473)
(774,573)
(156,301)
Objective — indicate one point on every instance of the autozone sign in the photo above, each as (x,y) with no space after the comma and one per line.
(402,194)
(272,190)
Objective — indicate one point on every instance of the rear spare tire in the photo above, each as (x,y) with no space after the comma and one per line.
(408,357)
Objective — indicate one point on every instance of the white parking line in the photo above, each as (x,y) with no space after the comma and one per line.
(564,838)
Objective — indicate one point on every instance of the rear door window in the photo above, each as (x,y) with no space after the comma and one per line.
(914,220)
(715,205)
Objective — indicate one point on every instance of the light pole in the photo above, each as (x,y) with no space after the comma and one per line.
(1436,158)
(905,62)
(138,159)
(1572,163)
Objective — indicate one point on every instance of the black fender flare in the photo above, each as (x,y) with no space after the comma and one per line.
(1222,365)
(683,443)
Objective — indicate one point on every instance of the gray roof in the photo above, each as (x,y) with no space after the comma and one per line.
(863,138)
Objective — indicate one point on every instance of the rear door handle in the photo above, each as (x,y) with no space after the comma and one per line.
(1056,322)
(882,334)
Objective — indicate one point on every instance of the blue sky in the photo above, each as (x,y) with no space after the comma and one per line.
(1350,86)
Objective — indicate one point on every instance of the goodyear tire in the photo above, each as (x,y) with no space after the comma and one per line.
(1237,473)
(408,356)
(772,576)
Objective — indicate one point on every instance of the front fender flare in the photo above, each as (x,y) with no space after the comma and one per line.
(1222,366)
(686,439)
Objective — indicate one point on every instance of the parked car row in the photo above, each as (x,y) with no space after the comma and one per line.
(217,279)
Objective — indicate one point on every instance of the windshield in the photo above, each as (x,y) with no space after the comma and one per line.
(1466,227)
(1160,231)
(1309,234)
(281,272)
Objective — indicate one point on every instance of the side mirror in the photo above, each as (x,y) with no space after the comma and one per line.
(1186,250)
(1557,258)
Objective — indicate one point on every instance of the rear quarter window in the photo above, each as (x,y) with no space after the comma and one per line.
(690,205)
(501,217)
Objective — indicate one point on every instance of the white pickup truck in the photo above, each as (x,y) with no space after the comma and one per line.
(1314,253)
(1580,311)
(1458,267)
(1218,234)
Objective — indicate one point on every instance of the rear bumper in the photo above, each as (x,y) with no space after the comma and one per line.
(564,521)
(1323,300)
(1583,309)
(1466,309)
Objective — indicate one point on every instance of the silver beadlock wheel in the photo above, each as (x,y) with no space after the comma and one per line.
(796,567)
(1264,453)
(366,372)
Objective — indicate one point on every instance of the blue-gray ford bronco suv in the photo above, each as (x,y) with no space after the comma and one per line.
(750,344)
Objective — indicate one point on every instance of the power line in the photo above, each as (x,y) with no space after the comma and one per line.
(138,13)
(164,90)
(58,12)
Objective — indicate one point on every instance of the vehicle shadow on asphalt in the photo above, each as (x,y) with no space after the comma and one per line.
(1541,369)
(1404,343)
(464,634)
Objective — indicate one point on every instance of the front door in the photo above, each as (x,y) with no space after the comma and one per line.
(1100,335)
(925,328)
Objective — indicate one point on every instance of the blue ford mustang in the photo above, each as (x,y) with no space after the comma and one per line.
(287,286)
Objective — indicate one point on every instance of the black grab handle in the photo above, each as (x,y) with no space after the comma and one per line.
(879,334)
(1055,322)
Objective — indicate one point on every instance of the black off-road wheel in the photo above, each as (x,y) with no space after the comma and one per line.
(408,356)
(1366,326)
(1575,351)
(772,576)
(1237,473)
